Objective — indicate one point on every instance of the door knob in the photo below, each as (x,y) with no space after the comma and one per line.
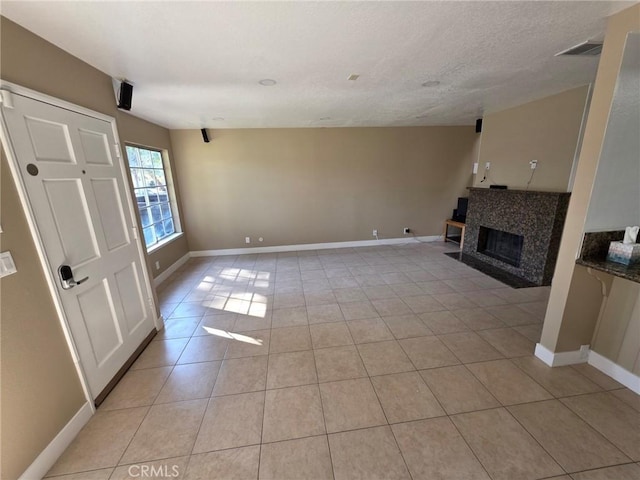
(66,277)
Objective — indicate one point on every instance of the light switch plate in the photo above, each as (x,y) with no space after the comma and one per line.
(7,266)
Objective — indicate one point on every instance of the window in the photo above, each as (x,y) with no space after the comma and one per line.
(152,194)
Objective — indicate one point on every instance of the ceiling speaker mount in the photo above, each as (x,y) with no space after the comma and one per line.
(125,96)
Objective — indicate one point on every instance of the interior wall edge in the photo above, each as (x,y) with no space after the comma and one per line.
(617,29)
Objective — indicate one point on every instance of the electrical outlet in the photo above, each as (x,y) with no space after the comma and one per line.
(247,239)
(475,168)
(158,265)
(375,233)
(406,230)
(534,164)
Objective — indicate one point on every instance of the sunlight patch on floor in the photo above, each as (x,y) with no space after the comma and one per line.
(233,336)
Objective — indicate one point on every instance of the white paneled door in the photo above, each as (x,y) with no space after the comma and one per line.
(69,164)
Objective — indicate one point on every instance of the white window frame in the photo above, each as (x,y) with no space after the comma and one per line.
(171,202)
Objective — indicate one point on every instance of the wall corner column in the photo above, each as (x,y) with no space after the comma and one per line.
(574,292)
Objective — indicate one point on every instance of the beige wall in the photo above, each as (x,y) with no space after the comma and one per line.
(618,334)
(297,186)
(40,390)
(563,326)
(546,130)
(583,302)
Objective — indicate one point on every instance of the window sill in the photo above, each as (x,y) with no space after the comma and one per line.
(164,242)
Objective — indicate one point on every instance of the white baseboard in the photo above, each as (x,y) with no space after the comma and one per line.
(314,246)
(544,354)
(560,359)
(606,366)
(169,271)
(159,323)
(43,463)
(615,371)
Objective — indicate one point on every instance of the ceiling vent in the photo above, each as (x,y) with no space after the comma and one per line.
(591,48)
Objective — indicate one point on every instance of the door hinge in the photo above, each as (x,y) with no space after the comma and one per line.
(6,98)
(135,232)
(150,301)
(117,146)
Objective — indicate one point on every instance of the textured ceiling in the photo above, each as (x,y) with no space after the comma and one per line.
(193,63)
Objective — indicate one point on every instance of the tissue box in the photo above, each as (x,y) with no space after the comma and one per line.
(626,253)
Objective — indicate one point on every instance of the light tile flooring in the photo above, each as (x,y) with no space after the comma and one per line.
(386,362)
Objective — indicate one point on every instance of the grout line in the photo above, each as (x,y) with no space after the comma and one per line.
(324,419)
(209,402)
(134,435)
(533,378)
(601,468)
(264,405)
(382,407)
(525,373)
(124,465)
(534,438)
(599,392)
(91,469)
(468,445)
(486,388)
(400,451)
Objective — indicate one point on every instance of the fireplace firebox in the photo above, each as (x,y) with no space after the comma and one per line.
(500,245)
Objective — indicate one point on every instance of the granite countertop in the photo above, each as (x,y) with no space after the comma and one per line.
(519,191)
(616,269)
(594,255)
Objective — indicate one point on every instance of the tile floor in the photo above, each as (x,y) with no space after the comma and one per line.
(386,362)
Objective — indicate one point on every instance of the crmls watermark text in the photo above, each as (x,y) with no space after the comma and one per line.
(154,471)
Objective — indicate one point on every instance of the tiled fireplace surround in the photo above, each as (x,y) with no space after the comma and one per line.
(537,216)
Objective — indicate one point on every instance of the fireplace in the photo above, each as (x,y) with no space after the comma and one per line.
(503,246)
(516,231)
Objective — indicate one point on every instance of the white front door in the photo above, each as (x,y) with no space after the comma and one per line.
(69,164)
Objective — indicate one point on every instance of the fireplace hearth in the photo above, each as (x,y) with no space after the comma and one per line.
(516,231)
